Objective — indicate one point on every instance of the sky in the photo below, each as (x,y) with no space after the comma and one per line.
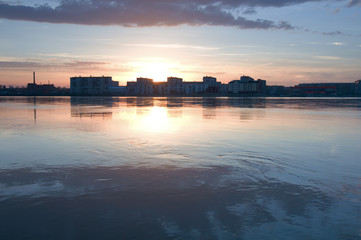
(285,42)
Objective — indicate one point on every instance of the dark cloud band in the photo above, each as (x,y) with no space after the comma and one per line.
(5,65)
(140,13)
(354,3)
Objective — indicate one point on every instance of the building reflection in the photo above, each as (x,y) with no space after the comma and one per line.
(251,114)
(174,102)
(175,113)
(94,101)
(174,107)
(80,114)
(139,101)
(209,113)
(92,107)
(247,102)
(34,101)
(212,102)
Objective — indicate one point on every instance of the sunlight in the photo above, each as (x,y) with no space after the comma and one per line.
(156,69)
(154,120)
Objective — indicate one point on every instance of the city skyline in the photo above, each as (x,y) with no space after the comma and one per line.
(285,42)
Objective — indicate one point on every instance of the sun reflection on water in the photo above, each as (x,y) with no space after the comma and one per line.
(154,119)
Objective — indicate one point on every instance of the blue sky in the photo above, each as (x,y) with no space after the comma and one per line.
(284,42)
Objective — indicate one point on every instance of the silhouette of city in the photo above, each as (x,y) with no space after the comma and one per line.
(246,86)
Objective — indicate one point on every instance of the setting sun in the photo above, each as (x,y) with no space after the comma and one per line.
(156,69)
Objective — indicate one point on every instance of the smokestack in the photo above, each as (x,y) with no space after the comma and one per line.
(34,78)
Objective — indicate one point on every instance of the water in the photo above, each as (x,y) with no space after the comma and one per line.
(180,168)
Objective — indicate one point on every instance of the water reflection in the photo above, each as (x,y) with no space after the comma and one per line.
(34,98)
(215,203)
(154,119)
(94,101)
(209,113)
(179,168)
(298,103)
(92,106)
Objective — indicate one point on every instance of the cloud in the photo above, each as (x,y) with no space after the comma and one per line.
(335,33)
(249,11)
(82,64)
(337,43)
(10,2)
(57,64)
(60,65)
(328,57)
(259,3)
(353,3)
(140,13)
(172,46)
(14,65)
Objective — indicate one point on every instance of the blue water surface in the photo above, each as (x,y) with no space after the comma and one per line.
(180,168)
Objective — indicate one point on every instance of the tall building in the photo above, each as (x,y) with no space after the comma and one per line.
(91,85)
(210,81)
(174,85)
(211,85)
(143,87)
(261,86)
(246,85)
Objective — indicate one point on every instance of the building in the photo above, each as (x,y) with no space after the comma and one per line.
(358,87)
(247,86)
(323,89)
(246,79)
(192,88)
(40,89)
(277,91)
(142,87)
(211,86)
(92,85)
(159,88)
(173,86)
(261,87)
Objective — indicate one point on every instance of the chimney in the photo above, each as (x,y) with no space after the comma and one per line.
(34,78)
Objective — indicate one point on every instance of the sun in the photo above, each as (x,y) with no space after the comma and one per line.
(157,70)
